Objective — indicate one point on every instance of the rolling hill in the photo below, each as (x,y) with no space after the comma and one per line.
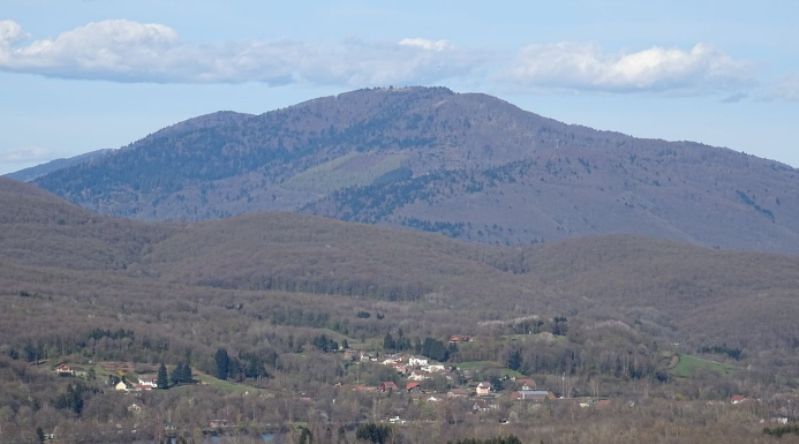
(673,290)
(467,165)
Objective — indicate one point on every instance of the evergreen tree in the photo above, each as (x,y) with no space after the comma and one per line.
(388,343)
(222,363)
(188,377)
(374,433)
(177,374)
(559,326)
(515,360)
(72,399)
(182,374)
(435,349)
(162,381)
(235,370)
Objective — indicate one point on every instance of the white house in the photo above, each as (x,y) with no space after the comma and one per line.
(433,368)
(414,361)
(418,376)
(391,360)
(483,388)
(148,381)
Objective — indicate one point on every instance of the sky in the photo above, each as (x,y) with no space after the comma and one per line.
(81,75)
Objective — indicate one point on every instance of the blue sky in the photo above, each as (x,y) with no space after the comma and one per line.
(81,75)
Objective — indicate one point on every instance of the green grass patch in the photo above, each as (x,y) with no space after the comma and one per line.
(488,365)
(225,386)
(477,365)
(345,171)
(688,366)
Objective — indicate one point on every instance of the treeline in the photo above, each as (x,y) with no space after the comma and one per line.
(118,344)
(558,326)
(245,365)
(430,347)
(576,360)
(732,352)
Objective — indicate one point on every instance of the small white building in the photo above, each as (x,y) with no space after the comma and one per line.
(433,368)
(483,388)
(417,362)
(391,361)
(148,381)
(418,376)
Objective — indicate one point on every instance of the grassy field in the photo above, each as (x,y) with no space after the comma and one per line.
(488,365)
(345,171)
(689,366)
(226,386)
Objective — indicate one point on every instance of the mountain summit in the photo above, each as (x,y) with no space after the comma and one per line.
(467,165)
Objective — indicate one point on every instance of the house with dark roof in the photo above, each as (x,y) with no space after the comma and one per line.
(533,395)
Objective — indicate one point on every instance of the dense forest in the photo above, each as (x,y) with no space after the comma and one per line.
(290,328)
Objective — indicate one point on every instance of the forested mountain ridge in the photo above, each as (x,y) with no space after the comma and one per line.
(467,165)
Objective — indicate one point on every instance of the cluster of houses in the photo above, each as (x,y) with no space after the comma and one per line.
(124,383)
(416,369)
(144,383)
(64,369)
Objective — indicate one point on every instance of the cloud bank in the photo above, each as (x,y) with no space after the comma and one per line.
(581,66)
(128,51)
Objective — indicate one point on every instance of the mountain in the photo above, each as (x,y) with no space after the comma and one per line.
(35,172)
(467,165)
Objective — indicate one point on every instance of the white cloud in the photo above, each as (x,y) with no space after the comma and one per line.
(127,51)
(581,66)
(430,45)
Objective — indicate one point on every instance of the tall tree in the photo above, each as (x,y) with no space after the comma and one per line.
(514,360)
(177,374)
(388,343)
(222,363)
(433,348)
(162,381)
(188,377)
(560,326)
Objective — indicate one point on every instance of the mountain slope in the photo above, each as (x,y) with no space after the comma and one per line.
(467,165)
(37,228)
(671,290)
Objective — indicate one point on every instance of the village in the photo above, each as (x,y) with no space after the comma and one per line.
(418,378)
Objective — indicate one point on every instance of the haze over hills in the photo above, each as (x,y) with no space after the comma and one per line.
(467,165)
(35,172)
